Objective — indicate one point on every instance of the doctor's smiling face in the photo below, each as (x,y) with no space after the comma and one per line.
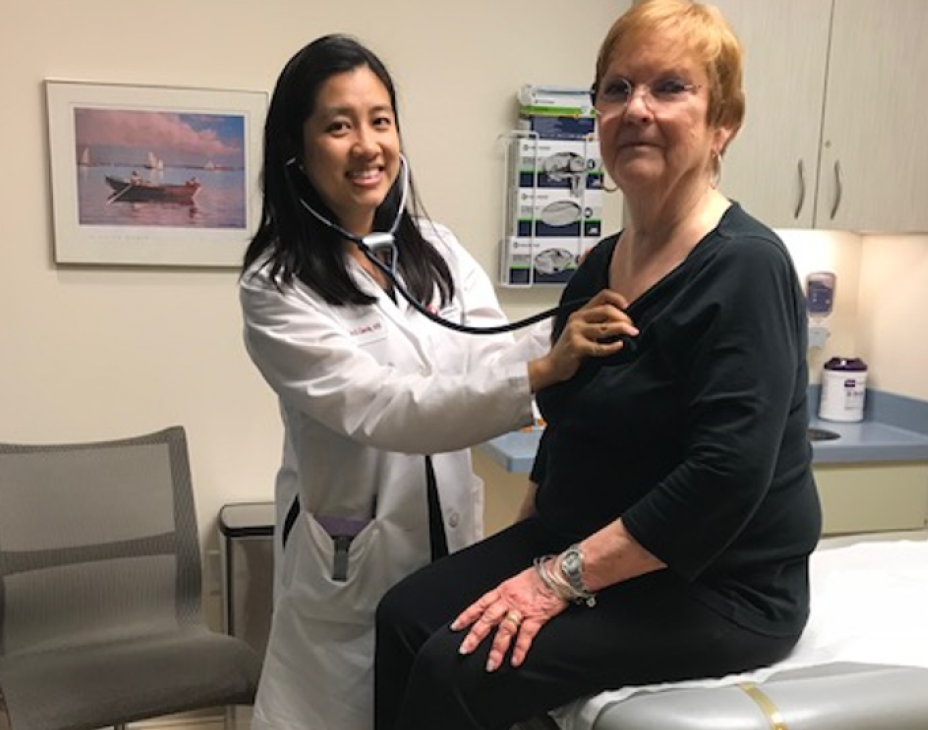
(351,146)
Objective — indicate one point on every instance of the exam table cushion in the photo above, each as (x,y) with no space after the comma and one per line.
(862,663)
(840,696)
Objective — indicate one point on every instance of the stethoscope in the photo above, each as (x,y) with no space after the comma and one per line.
(374,245)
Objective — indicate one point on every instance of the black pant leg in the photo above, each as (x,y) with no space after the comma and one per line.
(426,602)
(646,630)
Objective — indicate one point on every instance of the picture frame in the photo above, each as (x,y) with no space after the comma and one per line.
(153,175)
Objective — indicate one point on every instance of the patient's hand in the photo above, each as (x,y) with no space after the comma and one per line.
(598,329)
(516,609)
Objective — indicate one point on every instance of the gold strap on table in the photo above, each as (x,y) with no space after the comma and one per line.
(766,705)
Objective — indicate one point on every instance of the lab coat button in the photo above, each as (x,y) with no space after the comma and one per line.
(453,519)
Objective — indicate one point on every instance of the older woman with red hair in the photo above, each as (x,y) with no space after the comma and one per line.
(672,509)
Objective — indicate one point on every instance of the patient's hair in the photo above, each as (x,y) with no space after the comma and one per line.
(690,30)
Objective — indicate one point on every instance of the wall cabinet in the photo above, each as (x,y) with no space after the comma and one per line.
(873,497)
(834,136)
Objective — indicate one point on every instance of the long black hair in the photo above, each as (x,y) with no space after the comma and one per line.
(294,241)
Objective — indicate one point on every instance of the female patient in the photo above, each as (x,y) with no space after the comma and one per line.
(673,509)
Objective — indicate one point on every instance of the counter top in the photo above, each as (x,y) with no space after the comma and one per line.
(866,441)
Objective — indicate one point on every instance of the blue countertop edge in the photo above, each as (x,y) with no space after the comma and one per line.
(895,428)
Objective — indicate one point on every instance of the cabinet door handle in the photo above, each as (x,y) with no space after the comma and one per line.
(839,190)
(802,190)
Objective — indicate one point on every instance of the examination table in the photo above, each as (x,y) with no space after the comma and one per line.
(862,663)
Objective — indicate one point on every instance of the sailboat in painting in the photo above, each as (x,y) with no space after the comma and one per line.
(84,160)
(154,163)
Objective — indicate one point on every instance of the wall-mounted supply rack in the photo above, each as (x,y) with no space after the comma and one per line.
(553,187)
(553,201)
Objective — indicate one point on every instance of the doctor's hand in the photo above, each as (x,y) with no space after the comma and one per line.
(514,613)
(594,330)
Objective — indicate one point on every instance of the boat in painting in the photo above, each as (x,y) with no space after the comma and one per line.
(141,191)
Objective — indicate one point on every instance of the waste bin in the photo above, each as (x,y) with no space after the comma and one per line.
(246,547)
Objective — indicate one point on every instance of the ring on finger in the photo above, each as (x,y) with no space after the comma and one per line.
(513,617)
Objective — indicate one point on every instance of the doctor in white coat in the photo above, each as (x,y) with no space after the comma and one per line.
(379,404)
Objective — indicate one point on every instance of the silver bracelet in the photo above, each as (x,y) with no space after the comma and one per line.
(555,582)
(559,589)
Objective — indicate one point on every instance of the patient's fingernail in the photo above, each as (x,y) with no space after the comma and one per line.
(491,665)
(455,626)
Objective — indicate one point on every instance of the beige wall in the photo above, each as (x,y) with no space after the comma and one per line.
(893,305)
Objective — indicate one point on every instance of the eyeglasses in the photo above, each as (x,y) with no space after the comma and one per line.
(659,96)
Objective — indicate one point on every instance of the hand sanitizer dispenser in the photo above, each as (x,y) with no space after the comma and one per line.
(820,300)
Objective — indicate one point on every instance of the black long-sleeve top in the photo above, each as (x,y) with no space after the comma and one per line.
(697,438)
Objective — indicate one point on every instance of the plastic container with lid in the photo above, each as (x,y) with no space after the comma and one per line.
(844,387)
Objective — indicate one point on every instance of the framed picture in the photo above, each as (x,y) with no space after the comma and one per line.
(153,175)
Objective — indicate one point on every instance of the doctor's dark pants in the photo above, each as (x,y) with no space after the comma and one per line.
(643,631)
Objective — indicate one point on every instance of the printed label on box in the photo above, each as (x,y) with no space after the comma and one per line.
(547,163)
(556,213)
(544,261)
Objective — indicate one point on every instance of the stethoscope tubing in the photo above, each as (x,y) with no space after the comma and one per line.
(457,326)
(387,240)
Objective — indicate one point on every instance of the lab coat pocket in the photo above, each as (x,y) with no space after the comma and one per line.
(338,577)
(343,531)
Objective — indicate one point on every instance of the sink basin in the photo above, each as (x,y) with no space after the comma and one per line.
(822,434)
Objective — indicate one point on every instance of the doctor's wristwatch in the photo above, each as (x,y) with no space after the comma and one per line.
(571,564)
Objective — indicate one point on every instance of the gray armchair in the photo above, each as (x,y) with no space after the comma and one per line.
(100,588)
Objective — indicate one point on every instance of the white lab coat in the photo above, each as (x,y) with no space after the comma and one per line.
(365,391)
